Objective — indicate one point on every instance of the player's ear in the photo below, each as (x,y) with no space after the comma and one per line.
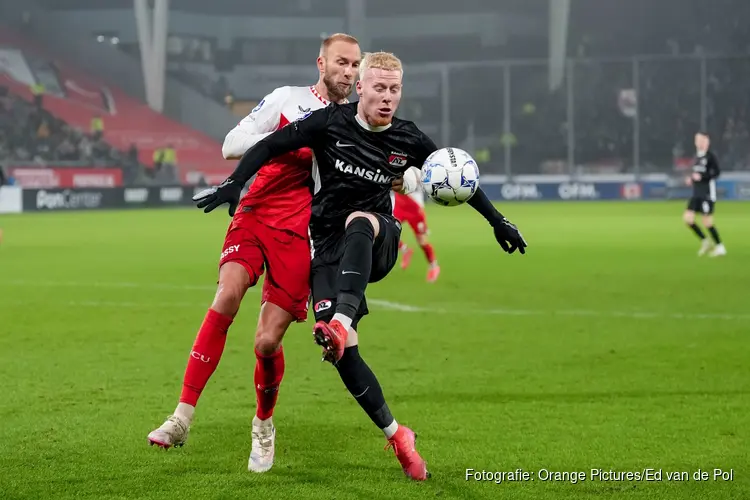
(321,64)
(359,88)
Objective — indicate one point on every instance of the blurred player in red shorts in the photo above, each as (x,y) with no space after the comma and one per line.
(407,209)
(269,231)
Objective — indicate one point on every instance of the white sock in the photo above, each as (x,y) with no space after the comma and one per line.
(391,429)
(185,411)
(344,320)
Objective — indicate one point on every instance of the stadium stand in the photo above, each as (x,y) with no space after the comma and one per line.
(72,100)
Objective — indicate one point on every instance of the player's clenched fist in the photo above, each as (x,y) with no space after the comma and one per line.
(508,235)
(228,191)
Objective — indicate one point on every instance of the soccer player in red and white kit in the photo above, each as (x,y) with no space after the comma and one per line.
(409,208)
(268,230)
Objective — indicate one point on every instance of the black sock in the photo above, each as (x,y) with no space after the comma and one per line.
(363,385)
(355,267)
(714,234)
(697,230)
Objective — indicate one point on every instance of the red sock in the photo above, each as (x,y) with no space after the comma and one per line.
(269,370)
(429,253)
(205,356)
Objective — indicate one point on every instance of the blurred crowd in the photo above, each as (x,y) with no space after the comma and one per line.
(696,64)
(663,108)
(31,135)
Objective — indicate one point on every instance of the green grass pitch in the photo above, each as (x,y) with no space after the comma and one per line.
(610,345)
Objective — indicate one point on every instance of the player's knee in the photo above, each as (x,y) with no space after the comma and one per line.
(233,283)
(688,217)
(228,299)
(268,340)
(422,239)
(272,325)
(363,221)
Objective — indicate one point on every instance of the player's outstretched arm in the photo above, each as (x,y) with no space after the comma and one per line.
(506,233)
(296,135)
(262,121)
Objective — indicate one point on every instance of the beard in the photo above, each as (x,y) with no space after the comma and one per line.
(337,91)
(379,121)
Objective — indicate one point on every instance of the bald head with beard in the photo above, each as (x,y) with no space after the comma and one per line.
(338,64)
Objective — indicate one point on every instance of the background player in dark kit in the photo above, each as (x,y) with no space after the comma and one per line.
(360,148)
(703,179)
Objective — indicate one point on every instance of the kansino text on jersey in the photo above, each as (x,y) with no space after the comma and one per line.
(366,173)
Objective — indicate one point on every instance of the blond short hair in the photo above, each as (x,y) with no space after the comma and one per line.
(380,60)
(336,37)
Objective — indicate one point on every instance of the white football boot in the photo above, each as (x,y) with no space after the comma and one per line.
(719,250)
(172,433)
(264,446)
(706,245)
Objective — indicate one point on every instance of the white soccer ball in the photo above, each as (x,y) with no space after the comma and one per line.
(450,176)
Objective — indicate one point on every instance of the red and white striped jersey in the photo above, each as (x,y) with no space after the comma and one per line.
(281,194)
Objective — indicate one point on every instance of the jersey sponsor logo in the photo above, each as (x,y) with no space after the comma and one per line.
(230,250)
(365,173)
(257,108)
(322,305)
(397,160)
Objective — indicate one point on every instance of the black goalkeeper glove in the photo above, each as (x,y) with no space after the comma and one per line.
(228,191)
(508,235)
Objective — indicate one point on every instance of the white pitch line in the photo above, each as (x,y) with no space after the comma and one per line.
(397,306)
(379,303)
(81,284)
(103,303)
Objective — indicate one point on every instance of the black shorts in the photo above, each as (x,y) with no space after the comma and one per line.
(702,205)
(325,268)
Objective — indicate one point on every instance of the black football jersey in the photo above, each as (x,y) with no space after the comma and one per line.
(354,164)
(708,167)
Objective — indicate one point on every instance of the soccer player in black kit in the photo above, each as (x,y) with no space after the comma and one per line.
(360,148)
(703,179)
